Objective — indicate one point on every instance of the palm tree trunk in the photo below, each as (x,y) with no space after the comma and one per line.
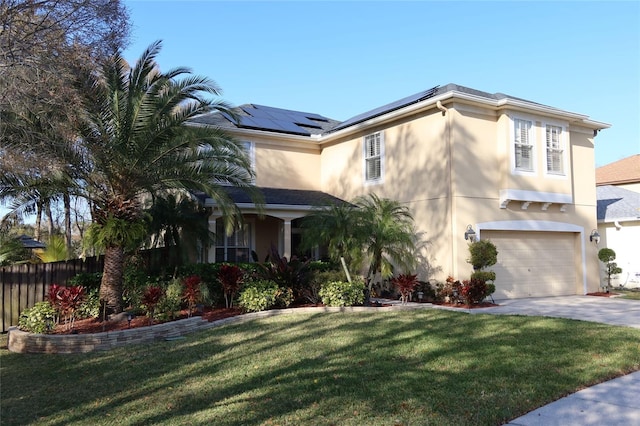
(111,285)
(37,232)
(67,221)
(49,219)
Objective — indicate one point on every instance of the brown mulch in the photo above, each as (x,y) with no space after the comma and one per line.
(602,294)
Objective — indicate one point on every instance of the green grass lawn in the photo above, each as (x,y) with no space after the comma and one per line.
(394,368)
(629,294)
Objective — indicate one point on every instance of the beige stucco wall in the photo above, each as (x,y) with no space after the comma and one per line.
(450,170)
(286,162)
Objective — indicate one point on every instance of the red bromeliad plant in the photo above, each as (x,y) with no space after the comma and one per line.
(405,283)
(230,277)
(191,293)
(151,298)
(66,301)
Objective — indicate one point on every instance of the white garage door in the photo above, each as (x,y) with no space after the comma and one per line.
(533,264)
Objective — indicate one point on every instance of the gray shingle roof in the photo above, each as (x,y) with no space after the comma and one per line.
(259,117)
(617,203)
(281,196)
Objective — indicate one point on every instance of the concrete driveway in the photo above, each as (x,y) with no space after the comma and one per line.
(607,310)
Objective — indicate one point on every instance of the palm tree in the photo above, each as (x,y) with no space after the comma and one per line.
(134,142)
(388,236)
(335,226)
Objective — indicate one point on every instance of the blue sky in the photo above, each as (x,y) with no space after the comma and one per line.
(339,58)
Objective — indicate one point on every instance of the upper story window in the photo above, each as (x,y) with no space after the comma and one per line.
(523,145)
(373,157)
(555,150)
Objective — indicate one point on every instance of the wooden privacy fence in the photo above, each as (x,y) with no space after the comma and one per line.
(22,286)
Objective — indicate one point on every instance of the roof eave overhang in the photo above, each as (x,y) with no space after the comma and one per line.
(448,97)
(209,202)
(619,219)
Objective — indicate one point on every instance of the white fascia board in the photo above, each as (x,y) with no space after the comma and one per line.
(409,109)
(475,99)
(251,207)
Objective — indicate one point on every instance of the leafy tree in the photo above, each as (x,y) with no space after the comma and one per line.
(174,219)
(608,257)
(12,251)
(135,143)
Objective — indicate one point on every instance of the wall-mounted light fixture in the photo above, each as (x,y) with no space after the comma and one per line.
(470,234)
(595,236)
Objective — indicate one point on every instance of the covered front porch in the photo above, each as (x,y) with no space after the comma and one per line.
(278,225)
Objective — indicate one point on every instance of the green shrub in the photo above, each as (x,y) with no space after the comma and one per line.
(311,291)
(428,292)
(284,298)
(611,268)
(483,253)
(87,280)
(170,303)
(343,293)
(39,319)
(483,276)
(259,295)
(134,282)
(90,308)
(449,291)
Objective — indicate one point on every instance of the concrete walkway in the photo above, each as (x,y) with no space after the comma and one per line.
(612,403)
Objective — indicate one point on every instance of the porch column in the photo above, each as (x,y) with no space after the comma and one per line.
(287,239)
(211,251)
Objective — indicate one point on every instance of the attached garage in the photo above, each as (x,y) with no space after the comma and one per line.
(534,264)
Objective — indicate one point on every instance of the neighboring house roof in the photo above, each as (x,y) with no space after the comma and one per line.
(615,204)
(626,170)
(30,243)
(282,197)
(263,118)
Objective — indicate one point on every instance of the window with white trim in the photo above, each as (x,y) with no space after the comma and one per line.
(555,150)
(373,157)
(523,145)
(235,247)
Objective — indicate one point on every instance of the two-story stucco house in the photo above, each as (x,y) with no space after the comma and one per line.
(514,171)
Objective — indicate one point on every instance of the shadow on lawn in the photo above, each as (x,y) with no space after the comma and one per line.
(447,368)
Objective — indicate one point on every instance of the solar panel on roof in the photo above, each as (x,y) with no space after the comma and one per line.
(387,108)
